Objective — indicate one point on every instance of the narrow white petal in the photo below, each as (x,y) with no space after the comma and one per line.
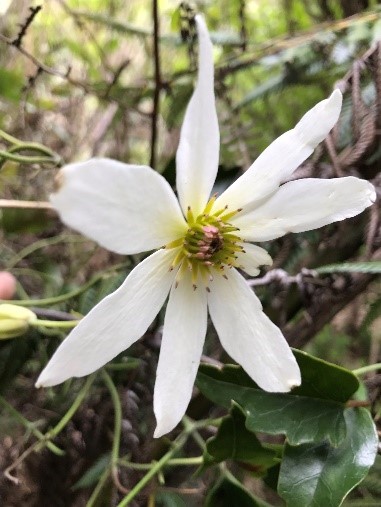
(304,205)
(198,151)
(253,257)
(181,348)
(283,156)
(125,208)
(249,336)
(115,323)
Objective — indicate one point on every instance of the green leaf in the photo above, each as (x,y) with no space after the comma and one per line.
(312,475)
(228,492)
(324,380)
(169,499)
(270,86)
(352,267)
(19,221)
(92,475)
(311,413)
(234,441)
(177,102)
(11,83)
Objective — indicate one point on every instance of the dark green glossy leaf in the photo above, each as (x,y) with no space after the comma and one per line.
(234,441)
(228,492)
(311,413)
(312,475)
(324,380)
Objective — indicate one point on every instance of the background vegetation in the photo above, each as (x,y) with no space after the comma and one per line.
(94,78)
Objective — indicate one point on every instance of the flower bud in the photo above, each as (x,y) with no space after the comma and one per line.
(14,320)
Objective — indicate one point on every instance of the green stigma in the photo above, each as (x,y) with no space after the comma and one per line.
(210,243)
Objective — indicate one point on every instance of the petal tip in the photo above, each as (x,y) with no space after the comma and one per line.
(372,194)
(161,429)
(269,261)
(49,378)
(333,106)
(43,381)
(293,383)
(336,98)
(157,433)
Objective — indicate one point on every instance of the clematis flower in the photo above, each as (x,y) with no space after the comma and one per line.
(202,242)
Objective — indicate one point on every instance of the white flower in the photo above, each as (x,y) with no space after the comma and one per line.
(130,209)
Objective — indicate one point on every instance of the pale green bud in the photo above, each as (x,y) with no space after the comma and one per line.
(14,320)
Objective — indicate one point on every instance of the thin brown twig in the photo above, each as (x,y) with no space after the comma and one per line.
(42,66)
(24,27)
(282,43)
(158,83)
(299,333)
(20,459)
(11,203)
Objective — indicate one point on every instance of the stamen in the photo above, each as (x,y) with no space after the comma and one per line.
(174,244)
(220,211)
(190,217)
(210,242)
(210,203)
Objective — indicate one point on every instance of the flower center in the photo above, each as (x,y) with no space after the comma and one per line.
(211,242)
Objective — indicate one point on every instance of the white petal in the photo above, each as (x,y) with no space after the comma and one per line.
(283,156)
(125,208)
(198,151)
(115,323)
(249,336)
(253,257)
(181,348)
(304,205)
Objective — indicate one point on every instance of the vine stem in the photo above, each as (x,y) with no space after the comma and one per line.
(68,295)
(193,461)
(30,427)
(190,427)
(156,467)
(117,418)
(24,158)
(73,408)
(62,324)
(367,369)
